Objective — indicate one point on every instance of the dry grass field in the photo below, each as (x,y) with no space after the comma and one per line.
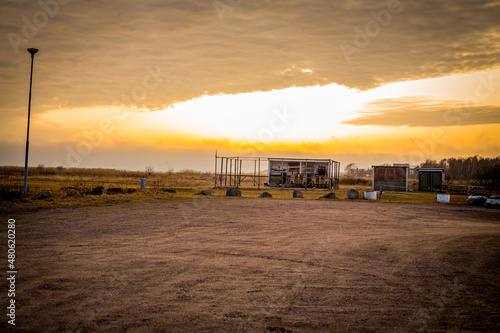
(256,265)
(59,181)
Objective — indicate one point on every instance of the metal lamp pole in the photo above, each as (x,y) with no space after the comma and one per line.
(32,51)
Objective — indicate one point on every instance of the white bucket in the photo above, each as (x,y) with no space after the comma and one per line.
(443,198)
(370,195)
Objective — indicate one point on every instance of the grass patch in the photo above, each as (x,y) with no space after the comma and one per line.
(186,183)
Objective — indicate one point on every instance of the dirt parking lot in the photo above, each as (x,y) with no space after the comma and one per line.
(256,265)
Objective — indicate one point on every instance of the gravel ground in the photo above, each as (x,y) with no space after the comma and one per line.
(256,265)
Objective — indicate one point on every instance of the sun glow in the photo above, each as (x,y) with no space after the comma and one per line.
(293,114)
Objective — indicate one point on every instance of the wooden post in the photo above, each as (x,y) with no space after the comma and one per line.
(259,175)
(254,171)
(230,171)
(235,183)
(221,169)
(236,173)
(215,170)
(241,166)
(225,178)
(306,175)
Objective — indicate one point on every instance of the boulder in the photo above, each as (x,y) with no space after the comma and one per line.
(169,190)
(131,190)
(97,191)
(43,195)
(297,194)
(204,192)
(233,192)
(476,200)
(265,195)
(114,190)
(330,195)
(10,195)
(352,194)
(493,202)
(73,194)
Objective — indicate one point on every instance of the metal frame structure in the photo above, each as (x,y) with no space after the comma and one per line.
(406,189)
(228,172)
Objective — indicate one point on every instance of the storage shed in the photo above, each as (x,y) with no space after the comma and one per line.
(289,172)
(390,177)
(430,179)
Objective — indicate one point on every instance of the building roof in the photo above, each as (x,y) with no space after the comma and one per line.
(392,166)
(275,159)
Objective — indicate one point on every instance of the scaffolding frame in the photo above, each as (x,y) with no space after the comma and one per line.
(228,171)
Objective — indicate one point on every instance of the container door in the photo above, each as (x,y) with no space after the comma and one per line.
(436,181)
(422,181)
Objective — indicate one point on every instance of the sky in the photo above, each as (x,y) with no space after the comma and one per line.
(165,84)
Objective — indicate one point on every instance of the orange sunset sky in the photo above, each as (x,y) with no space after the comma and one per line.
(132,84)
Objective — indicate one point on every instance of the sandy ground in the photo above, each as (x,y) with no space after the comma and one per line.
(257,265)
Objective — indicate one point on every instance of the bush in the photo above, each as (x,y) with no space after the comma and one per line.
(489,176)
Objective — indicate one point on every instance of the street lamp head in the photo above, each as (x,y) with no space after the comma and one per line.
(32,51)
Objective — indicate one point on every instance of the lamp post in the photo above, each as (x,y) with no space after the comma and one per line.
(32,51)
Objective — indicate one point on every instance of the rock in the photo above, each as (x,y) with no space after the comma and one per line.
(114,190)
(493,202)
(330,195)
(204,192)
(169,190)
(43,195)
(73,194)
(297,194)
(352,194)
(265,195)
(10,195)
(476,200)
(97,191)
(131,190)
(233,192)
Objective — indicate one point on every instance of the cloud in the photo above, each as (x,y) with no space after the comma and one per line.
(416,111)
(94,53)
